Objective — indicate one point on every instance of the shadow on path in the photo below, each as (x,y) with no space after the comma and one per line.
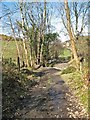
(51,98)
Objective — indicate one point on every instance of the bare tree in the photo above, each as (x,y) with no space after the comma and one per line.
(18,51)
(71,35)
(80,13)
(73,16)
(24,44)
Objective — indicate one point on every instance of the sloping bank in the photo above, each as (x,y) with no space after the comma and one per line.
(76,84)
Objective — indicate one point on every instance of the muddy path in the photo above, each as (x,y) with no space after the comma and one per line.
(51,98)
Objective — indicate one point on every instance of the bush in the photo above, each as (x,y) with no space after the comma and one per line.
(69,69)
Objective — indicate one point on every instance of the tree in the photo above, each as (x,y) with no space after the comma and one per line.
(24,42)
(71,35)
(78,14)
(18,51)
(34,30)
(50,45)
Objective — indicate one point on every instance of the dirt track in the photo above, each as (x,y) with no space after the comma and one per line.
(51,98)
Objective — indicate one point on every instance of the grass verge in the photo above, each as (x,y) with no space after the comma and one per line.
(77,85)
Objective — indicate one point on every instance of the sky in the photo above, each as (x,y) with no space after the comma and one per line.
(46,0)
(55,21)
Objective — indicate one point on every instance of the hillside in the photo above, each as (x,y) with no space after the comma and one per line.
(7,38)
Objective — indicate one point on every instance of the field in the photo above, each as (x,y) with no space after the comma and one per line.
(9,50)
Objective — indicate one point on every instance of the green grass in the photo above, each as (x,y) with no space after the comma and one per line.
(66,53)
(9,49)
(69,69)
(77,85)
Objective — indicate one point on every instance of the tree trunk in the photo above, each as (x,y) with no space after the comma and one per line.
(31,56)
(42,33)
(69,28)
(18,52)
(24,43)
(26,53)
(38,47)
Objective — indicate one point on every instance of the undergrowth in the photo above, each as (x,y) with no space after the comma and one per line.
(15,85)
